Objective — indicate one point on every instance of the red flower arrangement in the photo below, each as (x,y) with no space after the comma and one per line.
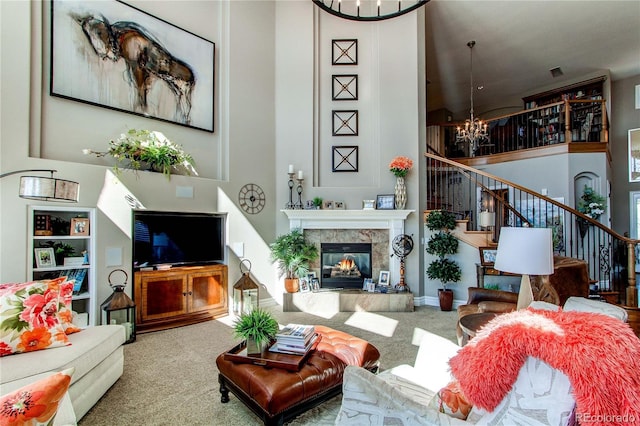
(400,166)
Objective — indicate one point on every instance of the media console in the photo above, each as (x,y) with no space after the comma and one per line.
(179,296)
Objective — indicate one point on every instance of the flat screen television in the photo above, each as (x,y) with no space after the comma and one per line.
(177,238)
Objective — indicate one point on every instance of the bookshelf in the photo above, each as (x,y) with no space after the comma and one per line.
(68,233)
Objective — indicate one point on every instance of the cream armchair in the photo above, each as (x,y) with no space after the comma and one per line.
(407,395)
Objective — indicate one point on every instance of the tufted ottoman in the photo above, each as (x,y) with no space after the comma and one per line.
(277,395)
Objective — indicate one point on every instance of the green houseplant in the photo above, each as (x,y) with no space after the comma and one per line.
(141,149)
(257,327)
(293,253)
(317,202)
(442,244)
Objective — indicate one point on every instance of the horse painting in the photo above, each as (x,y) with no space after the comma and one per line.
(146,61)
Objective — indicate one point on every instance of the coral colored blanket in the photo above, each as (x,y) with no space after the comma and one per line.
(599,354)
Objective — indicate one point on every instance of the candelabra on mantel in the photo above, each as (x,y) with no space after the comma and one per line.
(290,204)
(300,180)
(298,204)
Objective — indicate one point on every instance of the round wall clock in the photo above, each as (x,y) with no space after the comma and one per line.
(251,198)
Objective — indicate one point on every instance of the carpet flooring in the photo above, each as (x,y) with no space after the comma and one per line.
(170,376)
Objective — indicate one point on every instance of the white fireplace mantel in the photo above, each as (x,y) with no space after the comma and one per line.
(393,220)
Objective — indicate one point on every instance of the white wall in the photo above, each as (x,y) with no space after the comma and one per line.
(388,105)
(243,34)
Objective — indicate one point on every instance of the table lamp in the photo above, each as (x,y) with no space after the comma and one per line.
(526,251)
(487,220)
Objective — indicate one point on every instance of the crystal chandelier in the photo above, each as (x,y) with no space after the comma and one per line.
(475,131)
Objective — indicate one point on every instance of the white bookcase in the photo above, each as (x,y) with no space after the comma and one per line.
(69,227)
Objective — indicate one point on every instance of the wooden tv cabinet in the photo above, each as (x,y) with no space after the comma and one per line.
(179,296)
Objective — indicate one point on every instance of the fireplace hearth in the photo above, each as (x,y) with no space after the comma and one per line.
(344,265)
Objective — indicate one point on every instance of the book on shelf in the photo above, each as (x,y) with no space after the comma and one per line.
(75,275)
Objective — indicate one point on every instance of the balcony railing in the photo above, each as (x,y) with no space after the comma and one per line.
(467,191)
(552,124)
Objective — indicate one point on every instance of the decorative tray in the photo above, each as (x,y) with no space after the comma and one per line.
(267,358)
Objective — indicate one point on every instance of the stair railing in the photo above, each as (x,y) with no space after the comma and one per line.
(467,191)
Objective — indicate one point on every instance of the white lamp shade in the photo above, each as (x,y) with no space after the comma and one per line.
(525,251)
(48,189)
(487,219)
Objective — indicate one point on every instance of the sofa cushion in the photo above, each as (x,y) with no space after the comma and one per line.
(88,349)
(581,304)
(35,403)
(540,395)
(450,400)
(65,311)
(29,317)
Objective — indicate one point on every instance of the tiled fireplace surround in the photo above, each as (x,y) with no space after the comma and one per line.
(378,227)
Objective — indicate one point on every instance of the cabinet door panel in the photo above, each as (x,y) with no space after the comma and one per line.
(206,291)
(163,297)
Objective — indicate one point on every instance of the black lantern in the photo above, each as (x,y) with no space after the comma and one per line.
(120,309)
(245,292)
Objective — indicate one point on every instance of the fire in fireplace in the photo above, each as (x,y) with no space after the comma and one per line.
(345,265)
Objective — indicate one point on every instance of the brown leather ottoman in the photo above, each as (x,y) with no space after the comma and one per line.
(277,395)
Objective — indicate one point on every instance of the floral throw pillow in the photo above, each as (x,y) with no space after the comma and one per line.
(36,403)
(65,312)
(450,400)
(29,317)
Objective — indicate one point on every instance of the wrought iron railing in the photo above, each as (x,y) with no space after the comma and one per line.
(467,192)
(556,123)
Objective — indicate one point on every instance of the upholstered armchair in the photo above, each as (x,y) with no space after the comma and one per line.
(485,300)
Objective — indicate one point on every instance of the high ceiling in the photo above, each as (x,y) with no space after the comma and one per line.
(518,42)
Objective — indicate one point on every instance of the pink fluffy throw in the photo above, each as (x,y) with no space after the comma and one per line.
(599,354)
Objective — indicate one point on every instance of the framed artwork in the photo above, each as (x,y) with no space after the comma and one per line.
(344,52)
(113,55)
(634,155)
(45,257)
(488,256)
(345,123)
(304,285)
(383,279)
(344,87)
(344,159)
(542,214)
(385,202)
(368,204)
(339,205)
(366,283)
(314,284)
(327,205)
(79,226)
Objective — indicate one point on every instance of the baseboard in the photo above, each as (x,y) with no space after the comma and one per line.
(434,301)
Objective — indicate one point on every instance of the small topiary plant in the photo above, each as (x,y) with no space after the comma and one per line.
(442,244)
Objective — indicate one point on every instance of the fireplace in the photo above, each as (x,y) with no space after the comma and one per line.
(344,265)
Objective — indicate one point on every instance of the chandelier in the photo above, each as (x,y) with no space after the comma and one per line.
(475,131)
(369,10)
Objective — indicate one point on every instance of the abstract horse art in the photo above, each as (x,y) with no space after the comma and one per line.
(145,58)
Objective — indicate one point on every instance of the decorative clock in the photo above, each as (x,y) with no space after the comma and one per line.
(251,198)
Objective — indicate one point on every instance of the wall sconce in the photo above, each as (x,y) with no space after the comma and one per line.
(46,188)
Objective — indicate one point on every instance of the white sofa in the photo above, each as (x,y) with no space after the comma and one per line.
(97,355)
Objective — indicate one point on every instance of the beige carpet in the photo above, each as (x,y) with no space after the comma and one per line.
(170,377)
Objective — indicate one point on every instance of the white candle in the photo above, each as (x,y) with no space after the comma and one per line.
(300,175)
(290,168)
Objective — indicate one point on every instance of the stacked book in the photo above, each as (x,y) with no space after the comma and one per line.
(295,339)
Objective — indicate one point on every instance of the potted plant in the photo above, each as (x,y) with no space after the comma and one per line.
(442,244)
(317,203)
(257,328)
(61,250)
(293,254)
(142,149)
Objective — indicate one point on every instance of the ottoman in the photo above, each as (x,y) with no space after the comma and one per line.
(277,395)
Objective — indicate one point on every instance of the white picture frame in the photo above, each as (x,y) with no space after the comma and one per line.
(383,279)
(45,257)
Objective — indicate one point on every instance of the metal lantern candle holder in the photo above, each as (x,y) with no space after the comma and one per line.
(120,309)
(245,292)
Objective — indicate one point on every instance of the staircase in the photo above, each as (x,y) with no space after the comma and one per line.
(465,191)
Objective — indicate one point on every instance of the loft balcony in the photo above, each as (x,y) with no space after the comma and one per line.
(568,126)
